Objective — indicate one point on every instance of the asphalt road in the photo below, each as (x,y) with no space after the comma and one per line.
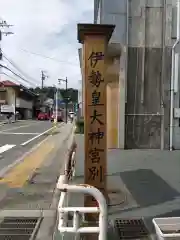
(13,139)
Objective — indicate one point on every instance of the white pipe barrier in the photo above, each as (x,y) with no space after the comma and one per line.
(77,211)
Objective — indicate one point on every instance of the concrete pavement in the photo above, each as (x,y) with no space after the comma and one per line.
(20,132)
(30,186)
(13,136)
(141,183)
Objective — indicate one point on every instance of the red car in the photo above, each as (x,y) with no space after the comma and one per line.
(43,116)
(59,116)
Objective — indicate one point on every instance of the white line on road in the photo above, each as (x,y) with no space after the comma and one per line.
(18,133)
(2,123)
(32,139)
(41,134)
(22,126)
(17,161)
(6,147)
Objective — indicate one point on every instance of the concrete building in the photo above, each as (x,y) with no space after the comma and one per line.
(19,96)
(139,73)
(80,90)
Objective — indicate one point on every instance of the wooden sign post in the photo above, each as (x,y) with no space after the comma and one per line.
(95,38)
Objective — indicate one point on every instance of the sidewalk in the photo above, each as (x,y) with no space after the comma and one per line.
(141,184)
(7,122)
(38,195)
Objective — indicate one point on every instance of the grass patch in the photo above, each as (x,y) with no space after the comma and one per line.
(80,126)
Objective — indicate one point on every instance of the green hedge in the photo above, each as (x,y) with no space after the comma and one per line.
(80,126)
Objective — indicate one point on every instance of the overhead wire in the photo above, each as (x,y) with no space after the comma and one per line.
(11,77)
(17,75)
(51,58)
(18,69)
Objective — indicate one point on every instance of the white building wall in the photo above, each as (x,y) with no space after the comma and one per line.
(144,28)
(21,103)
(10,96)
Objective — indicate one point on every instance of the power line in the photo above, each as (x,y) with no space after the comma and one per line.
(3,24)
(11,77)
(53,59)
(17,68)
(17,75)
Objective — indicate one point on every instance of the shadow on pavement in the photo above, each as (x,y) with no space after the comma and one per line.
(147,188)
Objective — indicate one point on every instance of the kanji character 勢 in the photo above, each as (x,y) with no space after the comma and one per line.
(95,78)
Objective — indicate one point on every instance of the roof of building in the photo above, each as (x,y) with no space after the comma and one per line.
(8,83)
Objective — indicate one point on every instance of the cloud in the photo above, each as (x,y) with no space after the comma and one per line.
(48,28)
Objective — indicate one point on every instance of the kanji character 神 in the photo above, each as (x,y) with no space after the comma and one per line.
(96,136)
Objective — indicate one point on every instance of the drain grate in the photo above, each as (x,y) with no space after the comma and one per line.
(19,228)
(131,228)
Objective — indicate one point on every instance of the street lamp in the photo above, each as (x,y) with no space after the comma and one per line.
(66,100)
(56,105)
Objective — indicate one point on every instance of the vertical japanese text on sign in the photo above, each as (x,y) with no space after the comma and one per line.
(95,57)
(96,154)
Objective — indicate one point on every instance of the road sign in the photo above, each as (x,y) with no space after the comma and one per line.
(7,108)
(59,102)
(75,107)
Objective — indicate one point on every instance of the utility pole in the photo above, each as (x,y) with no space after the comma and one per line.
(43,78)
(66,100)
(57,89)
(3,24)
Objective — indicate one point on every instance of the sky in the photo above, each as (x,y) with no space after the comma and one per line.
(45,38)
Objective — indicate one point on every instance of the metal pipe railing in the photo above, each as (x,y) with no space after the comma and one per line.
(77,211)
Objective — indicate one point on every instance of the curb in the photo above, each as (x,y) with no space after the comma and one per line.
(57,192)
(4,171)
(52,224)
(2,123)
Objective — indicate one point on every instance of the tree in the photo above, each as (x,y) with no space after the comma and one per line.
(49,92)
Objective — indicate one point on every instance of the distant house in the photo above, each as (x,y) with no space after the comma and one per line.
(49,102)
(47,106)
(23,100)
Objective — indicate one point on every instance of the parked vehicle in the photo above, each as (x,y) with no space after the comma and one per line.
(59,116)
(71,116)
(43,116)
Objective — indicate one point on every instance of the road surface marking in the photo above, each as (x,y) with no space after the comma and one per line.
(41,134)
(2,123)
(22,126)
(4,170)
(6,147)
(19,175)
(18,133)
